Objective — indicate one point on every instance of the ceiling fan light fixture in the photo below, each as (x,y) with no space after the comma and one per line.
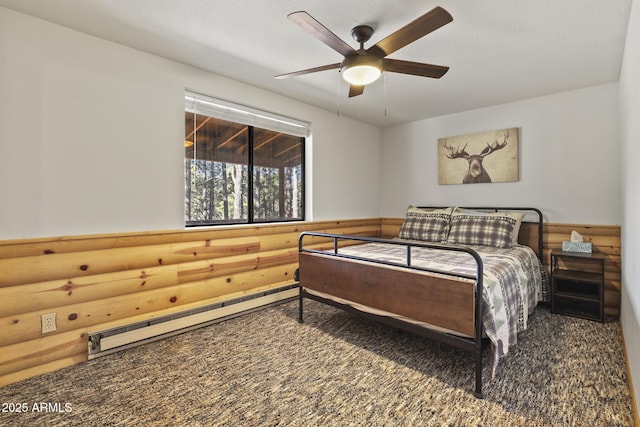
(364,66)
(361,70)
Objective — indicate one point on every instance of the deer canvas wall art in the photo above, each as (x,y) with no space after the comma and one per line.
(482,157)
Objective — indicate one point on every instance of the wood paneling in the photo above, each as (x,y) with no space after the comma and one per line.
(103,281)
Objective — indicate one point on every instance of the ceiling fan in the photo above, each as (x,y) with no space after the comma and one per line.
(363,66)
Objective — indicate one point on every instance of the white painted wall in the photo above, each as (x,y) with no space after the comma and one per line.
(569,158)
(630,152)
(91,137)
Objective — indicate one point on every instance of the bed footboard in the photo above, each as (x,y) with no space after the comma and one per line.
(450,302)
(438,300)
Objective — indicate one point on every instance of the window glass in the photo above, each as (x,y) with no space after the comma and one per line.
(277,176)
(216,165)
(218,186)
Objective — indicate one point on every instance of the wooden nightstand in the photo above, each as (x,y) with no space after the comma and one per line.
(577,284)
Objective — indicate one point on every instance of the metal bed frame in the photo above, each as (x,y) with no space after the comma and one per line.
(472,344)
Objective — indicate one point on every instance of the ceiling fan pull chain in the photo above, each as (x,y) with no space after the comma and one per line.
(338,97)
(384,89)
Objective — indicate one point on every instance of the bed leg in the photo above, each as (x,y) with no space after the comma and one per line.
(478,392)
(300,305)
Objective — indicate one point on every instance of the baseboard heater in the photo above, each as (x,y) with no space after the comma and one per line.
(109,341)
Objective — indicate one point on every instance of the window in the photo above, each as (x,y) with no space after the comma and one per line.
(241,165)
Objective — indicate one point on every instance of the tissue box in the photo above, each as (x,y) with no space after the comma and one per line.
(584,247)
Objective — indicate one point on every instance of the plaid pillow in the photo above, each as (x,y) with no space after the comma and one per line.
(426,225)
(492,230)
(515,215)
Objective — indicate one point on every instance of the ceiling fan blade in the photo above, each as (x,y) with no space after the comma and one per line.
(309,71)
(414,68)
(322,33)
(411,32)
(355,90)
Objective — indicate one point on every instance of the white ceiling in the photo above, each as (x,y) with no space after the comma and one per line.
(498,50)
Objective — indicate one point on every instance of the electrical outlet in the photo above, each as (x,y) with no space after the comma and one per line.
(48,323)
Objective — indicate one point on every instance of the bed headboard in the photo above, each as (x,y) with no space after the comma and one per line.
(531,231)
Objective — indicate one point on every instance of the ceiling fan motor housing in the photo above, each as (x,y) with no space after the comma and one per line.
(361,60)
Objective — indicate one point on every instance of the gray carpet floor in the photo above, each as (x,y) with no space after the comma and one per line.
(336,369)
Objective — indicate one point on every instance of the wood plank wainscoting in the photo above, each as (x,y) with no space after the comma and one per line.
(104,281)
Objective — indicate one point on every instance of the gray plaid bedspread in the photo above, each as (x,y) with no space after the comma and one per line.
(512,285)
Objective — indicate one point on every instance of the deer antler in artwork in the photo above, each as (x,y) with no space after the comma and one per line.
(456,153)
(490,148)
